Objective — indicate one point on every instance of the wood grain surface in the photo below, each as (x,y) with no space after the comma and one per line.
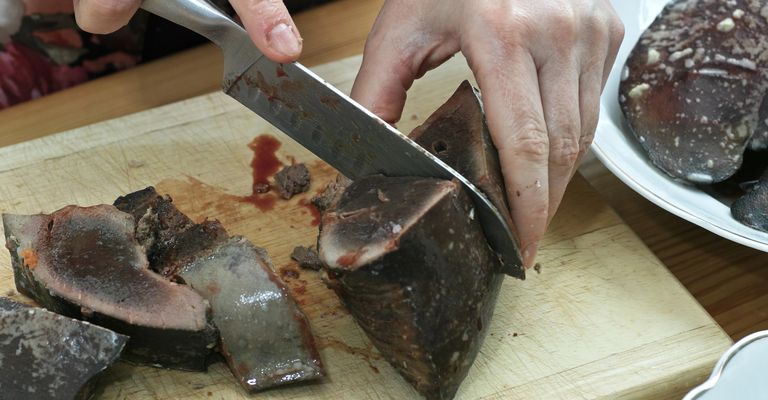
(603,319)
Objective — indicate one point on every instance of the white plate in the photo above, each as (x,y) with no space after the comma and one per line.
(618,150)
(740,373)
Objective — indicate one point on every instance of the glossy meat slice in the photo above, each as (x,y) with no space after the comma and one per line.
(44,355)
(694,84)
(413,267)
(85,263)
(265,338)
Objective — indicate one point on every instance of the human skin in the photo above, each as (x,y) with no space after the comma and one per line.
(540,65)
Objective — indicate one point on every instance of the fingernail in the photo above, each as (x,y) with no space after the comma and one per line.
(529,255)
(282,39)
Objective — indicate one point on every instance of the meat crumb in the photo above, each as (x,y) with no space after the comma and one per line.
(307,258)
(292,180)
(537,268)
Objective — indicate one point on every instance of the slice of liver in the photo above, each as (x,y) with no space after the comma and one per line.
(85,263)
(693,86)
(44,355)
(413,267)
(265,337)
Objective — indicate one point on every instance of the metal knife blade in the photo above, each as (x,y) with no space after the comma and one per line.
(324,120)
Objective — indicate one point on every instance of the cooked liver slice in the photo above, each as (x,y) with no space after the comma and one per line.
(85,263)
(693,87)
(265,337)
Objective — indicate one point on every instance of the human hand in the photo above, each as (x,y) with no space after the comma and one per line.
(540,65)
(267,22)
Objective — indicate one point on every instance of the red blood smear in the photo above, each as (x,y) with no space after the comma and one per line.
(264,202)
(265,162)
(312,211)
(264,165)
(300,290)
(280,71)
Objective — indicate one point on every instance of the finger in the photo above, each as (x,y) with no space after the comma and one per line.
(104,16)
(396,53)
(615,36)
(271,28)
(516,119)
(559,86)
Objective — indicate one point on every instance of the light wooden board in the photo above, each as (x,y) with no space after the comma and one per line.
(604,319)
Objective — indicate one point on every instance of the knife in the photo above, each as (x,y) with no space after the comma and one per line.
(324,120)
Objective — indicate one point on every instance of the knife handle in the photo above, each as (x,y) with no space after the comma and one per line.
(199,16)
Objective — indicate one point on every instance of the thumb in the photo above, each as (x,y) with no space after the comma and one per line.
(383,80)
(104,16)
(271,28)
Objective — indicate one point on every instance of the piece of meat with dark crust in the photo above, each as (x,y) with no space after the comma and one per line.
(292,180)
(85,263)
(416,273)
(694,84)
(170,237)
(44,355)
(307,257)
(265,337)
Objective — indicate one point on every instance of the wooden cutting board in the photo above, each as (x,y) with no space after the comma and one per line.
(603,318)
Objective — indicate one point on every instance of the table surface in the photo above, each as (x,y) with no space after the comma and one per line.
(729,280)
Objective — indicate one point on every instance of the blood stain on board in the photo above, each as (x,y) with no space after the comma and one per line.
(313,211)
(265,162)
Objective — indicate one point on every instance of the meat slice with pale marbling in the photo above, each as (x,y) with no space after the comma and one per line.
(694,87)
(85,263)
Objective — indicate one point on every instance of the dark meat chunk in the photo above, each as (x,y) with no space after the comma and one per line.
(170,237)
(85,263)
(292,180)
(265,338)
(694,85)
(457,133)
(333,190)
(44,355)
(752,208)
(417,274)
(307,257)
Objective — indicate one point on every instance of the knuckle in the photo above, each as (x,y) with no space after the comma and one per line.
(530,140)
(564,150)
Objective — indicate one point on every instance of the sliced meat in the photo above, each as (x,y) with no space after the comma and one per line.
(44,355)
(752,208)
(413,267)
(694,84)
(265,338)
(307,258)
(292,180)
(85,263)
